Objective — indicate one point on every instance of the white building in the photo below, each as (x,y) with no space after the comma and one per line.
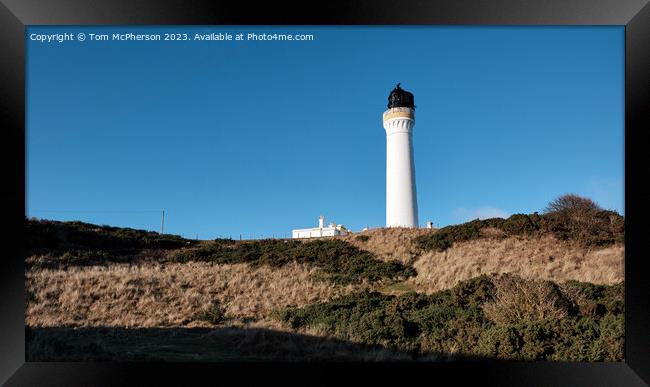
(401,199)
(320,231)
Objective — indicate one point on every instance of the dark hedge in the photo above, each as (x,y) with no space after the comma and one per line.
(55,235)
(596,228)
(452,323)
(341,261)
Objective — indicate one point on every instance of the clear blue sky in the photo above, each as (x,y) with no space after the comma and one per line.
(261,137)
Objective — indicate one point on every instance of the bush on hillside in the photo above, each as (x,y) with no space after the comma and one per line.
(54,235)
(600,228)
(215,314)
(445,237)
(453,322)
(580,219)
(521,224)
(569,218)
(595,300)
(518,300)
(572,203)
(341,261)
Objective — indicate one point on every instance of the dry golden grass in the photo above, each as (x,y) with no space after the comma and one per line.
(390,243)
(153,295)
(531,258)
(162,295)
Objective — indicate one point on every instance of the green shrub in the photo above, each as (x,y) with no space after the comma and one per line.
(362,238)
(53,244)
(445,237)
(365,316)
(411,322)
(520,224)
(572,217)
(215,314)
(493,222)
(50,235)
(600,228)
(341,261)
(612,335)
(452,322)
(538,338)
(474,292)
(595,300)
(549,339)
(500,342)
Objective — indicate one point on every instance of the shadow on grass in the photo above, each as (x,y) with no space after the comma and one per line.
(203,345)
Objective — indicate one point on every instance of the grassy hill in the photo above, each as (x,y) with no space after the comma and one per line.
(527,287)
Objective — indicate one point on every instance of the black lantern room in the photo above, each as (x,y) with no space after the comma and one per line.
(400,98)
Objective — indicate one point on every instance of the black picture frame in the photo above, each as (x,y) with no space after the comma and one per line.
(15,15)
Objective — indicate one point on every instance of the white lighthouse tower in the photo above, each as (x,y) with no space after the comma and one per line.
(401,199)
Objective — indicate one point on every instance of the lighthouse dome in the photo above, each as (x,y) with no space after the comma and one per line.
(400,98)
